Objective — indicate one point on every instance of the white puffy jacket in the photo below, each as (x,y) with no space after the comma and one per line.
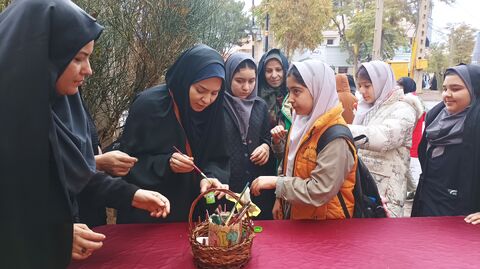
(387,153)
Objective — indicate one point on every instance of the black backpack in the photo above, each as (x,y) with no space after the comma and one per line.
(368,203)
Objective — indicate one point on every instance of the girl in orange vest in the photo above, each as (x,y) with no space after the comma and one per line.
(312,180)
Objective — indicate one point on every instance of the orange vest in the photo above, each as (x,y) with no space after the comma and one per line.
(306,161)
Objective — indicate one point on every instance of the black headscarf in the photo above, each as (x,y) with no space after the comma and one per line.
(446,128)
(198,63)
(263,86)
(69,116)
(408,84)
(39,39)
(73,133)
(273,96)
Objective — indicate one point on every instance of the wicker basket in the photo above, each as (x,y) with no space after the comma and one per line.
(235,256)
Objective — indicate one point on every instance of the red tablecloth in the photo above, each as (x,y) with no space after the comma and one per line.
(446,242)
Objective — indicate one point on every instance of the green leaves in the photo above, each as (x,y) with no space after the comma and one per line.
(355,22)
(461,41)
(142,38)
(297,24)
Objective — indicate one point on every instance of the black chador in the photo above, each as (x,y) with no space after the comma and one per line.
(160,118)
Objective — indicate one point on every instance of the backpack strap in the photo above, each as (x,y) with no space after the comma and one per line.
(333,132)
(344,206)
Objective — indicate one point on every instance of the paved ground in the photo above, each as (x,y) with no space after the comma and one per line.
(429,95)
(430,99)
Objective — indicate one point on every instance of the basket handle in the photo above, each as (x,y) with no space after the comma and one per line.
(194,203)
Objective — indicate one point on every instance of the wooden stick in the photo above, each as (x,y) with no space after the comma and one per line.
(240,215)
(236,203)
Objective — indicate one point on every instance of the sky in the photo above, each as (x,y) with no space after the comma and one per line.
(462,11)
(442,14)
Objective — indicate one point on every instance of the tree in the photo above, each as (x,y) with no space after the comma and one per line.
(355,23)
(437,61)
(461,41)
(296,24)
(4,4)
(141,40)
(226,26)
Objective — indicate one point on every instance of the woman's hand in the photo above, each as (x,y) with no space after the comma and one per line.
(209,183)
(278,133)
(85,241)
(263,183)
(260,155)
(181,163)
(277,210)
(152,201)
(115,163)
(473,218)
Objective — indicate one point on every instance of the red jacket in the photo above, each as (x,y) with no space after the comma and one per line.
(417,136)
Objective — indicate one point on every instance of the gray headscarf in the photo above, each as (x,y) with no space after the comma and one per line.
(447,129)
(241,108)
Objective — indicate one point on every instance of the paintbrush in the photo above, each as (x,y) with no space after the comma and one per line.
(236,203)
(240,215)
(194,166)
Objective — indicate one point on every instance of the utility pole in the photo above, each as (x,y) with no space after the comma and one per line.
(377,37)
(251,31)
(418,61)
(267,26)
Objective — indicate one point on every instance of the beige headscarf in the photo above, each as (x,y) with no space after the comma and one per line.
(320,81)
(383,82)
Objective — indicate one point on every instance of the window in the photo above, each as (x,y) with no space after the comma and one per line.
(329,41)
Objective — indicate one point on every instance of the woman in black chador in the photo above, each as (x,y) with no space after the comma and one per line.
(449,150)
(186,112)
(47,157)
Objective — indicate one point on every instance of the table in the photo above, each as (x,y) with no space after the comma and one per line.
(441,242)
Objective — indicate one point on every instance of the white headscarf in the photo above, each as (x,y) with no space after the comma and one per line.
(320,81)
(383,82)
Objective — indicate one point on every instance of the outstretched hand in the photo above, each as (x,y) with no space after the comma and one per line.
(263,183)
(115,163)
(152,201)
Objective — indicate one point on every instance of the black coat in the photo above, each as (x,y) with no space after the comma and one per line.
(242,169)
(150,132)
(442,190)
(35,198)
(90,212)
